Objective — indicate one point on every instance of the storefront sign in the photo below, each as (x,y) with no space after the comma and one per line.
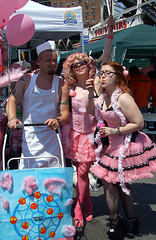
(102,30)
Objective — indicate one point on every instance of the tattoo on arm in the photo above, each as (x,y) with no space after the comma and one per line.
(13,92)
(22,79)
(64,103)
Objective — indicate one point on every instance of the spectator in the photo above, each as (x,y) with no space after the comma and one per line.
(152,75)
(140,85)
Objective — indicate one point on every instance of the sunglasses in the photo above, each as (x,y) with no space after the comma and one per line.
(78,64)
(107,73)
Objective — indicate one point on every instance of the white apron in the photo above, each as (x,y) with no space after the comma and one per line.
(40,141)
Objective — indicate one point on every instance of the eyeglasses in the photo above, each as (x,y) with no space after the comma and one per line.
(107,73)
(78,64)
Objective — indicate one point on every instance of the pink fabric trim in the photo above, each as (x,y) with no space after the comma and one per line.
(65,238)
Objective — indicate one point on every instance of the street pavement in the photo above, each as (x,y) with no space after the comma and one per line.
(145,208)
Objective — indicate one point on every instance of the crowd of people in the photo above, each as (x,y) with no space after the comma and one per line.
(76,106)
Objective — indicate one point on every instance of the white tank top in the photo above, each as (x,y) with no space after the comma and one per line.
(40,141)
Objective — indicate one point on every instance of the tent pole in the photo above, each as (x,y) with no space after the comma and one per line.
(111,7)
(29,56)
(19,55)
(108,6)
(82,41)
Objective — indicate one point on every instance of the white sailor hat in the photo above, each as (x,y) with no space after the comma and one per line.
(49,45)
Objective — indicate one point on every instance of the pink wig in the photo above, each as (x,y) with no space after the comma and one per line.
(68,73)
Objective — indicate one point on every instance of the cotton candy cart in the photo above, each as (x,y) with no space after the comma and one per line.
(36,203)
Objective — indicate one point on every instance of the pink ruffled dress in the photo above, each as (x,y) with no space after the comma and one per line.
(78,133)
(139,160)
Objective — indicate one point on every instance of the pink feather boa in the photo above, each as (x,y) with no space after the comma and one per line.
(11,76)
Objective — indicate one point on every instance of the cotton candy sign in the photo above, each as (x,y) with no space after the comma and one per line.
(35,204)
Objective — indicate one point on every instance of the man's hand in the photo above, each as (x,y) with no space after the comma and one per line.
(52,123)
(106,131)
(12,123)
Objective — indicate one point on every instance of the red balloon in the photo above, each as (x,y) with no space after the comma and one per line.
(20,29)
(7,8)
(21,3)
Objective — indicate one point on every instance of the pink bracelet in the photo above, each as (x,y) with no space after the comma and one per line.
(109,36)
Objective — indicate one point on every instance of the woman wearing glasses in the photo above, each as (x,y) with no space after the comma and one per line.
(77,134)
(130,155)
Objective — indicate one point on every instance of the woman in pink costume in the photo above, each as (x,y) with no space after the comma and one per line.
(4,59)
(130,155)
(78,140)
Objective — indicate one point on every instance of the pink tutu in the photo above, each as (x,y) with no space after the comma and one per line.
(139,161)
(78,146)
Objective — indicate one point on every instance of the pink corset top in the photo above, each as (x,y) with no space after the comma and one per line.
(79,120)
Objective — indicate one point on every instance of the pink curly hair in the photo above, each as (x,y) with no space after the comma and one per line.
(68,73)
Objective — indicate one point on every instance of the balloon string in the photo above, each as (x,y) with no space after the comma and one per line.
(0,53)
(9,85)
(9,63)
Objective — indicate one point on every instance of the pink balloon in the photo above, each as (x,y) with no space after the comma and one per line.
(20,29)
(20,3)
(7,8)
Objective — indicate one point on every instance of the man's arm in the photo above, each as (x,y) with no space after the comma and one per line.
(14,99)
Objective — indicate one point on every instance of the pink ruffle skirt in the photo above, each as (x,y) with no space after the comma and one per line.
(139,161)
(78,146)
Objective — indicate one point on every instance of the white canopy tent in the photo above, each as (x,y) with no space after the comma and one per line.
(52,23)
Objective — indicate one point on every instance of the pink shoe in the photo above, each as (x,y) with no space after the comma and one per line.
(78,220)
(88,218)
(88,213)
